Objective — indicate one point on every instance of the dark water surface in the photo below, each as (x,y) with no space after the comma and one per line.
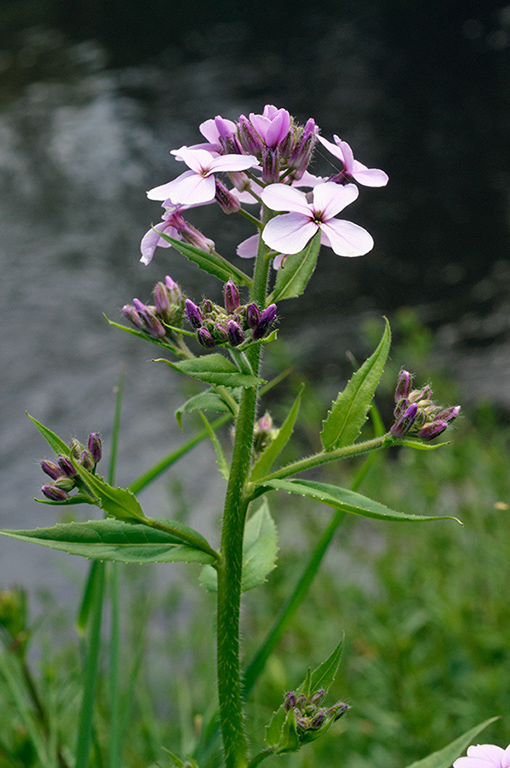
(86,128)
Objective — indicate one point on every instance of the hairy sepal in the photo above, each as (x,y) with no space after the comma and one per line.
(349,411)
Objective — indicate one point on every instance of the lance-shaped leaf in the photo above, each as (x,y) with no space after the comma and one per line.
(297,270)
(212,263)
(349,411)
(214,369)
(268,457)
(206,401)
(260,548)
(54,440)
(117,541)
(118,502)
(348,501)
(445,757)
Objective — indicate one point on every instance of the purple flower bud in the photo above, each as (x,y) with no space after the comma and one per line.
(249,138)
(235,333)
(270,166)
(152,325)
(303,148)
(206,307)
(205,338)
(95,447)
(301,700)
(318,696)
(432,430)
(404,384)
(86,460)
(76,448)
(337,710)
(418,395)
(402,426)
(219,333)
(53,493)
(303,723)
(193,314)
(228,202)
(163,302)
(317,720)
(193,236)
(132,315)
(66,466)
(289,701)
(51,469)
(231,296)
(253,315)
(449,414)
(267,318)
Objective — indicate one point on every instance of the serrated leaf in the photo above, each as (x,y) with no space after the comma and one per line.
(349,411)
(214,369)
(118,502)
(260,549)
(348,501)
(293,277)
(271,453)
(212,263)
(444,758)
(114,540)
(205,401)
(145,336)
(54,440)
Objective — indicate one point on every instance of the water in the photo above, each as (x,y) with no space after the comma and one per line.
(79,144)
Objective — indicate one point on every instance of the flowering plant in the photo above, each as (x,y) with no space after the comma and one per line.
(261,160)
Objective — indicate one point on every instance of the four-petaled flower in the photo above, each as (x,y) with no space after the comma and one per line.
(290,232)
(485,756)
(197,186)
(353,169)
(272,125)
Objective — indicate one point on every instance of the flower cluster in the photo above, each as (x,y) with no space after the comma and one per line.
(265,158)
(263,434)
(232,324)
(64,476)
(167,310)
(415,412)
(310,716)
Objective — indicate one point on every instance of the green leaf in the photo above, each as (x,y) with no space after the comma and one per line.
(260,549)
(145,336)
(293,277)
(119,502)
(117,541)
(214,369)
(54,440)
(348,501)
(419,445)
(349,411)
(445,757)
(323,676)
(271,453)
(212,263)
(205,401)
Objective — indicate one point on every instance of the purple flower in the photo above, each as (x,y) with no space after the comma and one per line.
(353,169)
(272,125)
(290,232)
(485,756)
(174,226)
(197,186)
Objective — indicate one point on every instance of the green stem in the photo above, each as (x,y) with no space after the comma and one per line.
(115,724)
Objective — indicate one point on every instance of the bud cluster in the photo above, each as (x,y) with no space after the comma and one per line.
(167,310)
(263,434)
(64,476)
(310,716)
(416,413)
(231,324)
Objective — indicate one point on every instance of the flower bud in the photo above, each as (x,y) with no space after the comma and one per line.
(303,148)
(267,318)
(289,701)
(95,447)
(252,315)
(228,202)
(219,333)
(86,460)
(231,296)
(66,466)
(318,696)
(449,414)
(53,493)
(51,469)
(193,314)
(270,166)
(249,138)
(152,325)
(402,426)
(163,302)
(317,720)
(301,701)
(64,483)
(235,333)
(432,430)
(76,448)
(205,338)
(419,395)
(303,723)
(337,710)
(404,384)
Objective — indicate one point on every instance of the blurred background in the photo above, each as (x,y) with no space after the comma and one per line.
(93,95)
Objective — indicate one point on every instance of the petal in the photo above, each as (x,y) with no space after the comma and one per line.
(281,197)
(199,160)
(192,189)
(369,177)
(233,163)
(336,151)
(346,152)
(210,132)
(279,260)
(261,124)
(474,762)
(248,248)
(308,180)
(346,238)
(163,192)
(331,198)
(289,233)
(279,128)
(490,752)
(151,240)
